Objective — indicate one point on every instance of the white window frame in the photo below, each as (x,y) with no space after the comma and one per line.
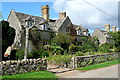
(29,23)
(44,27)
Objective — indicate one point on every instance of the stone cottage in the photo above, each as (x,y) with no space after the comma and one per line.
(20,22)
(103,35)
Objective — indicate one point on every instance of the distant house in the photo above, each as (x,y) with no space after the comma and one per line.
(103,35)
(45,25)
(81,32)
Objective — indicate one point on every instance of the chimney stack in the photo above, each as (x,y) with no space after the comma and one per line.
(62,15)
(114,28)
(45,12)
(107,27)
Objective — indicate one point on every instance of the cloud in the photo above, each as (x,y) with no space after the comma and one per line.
(85,14)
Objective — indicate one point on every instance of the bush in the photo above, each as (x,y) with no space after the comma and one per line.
(35,54)
(20,54)
(45,54)
(104,48)
(60,60)
(65,53)
(56,49)
(72,48)
(79,48)
(40,53)
(79,53)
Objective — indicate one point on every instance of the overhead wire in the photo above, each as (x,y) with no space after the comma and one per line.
(100,10)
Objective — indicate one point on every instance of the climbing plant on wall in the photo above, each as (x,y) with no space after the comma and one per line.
(35,36)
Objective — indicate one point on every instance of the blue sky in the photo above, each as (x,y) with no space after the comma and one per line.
(32,8)
(79,12)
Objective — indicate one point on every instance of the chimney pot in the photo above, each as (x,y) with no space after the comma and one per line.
(62,15)
(107,27)
(114,28)
(45,12)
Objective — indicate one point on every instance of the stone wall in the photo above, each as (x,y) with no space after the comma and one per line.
(23,66)
(81,61)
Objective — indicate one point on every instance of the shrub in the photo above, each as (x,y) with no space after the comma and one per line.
(65,53)
(34,54)
(60,60)
(72,48)
(56,49)
(45,54)
(20,54)
(79,48)
(40,53)
(79,53)
(104,48)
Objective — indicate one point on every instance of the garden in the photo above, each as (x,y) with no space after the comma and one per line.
(61,48)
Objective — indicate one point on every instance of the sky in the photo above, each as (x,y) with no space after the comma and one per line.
(79,11)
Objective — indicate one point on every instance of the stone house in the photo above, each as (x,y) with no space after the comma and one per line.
(103,35)
(81,32)
(47,27)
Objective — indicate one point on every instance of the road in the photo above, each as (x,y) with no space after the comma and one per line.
(107,72)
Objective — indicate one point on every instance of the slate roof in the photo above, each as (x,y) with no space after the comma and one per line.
(56,24)
(80,27)
(22,17)
(107,35)
(53,24)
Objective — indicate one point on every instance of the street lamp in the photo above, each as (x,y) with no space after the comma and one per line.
(29,24)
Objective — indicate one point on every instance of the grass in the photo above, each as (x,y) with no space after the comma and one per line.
(101,65)
(40,74)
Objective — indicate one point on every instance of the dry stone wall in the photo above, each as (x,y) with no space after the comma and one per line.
(23,66)
(81,61)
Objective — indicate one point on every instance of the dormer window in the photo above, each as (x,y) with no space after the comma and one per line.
(44,27)
(29,22)
(79,32)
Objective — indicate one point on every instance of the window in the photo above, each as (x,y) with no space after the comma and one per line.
(45,43)
(85,33)
(78,32)
(44,27)
(67,29)
(29,23)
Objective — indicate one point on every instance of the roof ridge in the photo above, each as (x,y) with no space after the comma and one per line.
(28,14)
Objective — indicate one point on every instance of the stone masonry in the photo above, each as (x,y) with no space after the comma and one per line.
(22,66)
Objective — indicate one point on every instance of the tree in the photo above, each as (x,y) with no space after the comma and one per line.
(115,40)
(88,44)
(62,40)
(8,35)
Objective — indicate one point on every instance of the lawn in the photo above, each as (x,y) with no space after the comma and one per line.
(100,65)
(41,74)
